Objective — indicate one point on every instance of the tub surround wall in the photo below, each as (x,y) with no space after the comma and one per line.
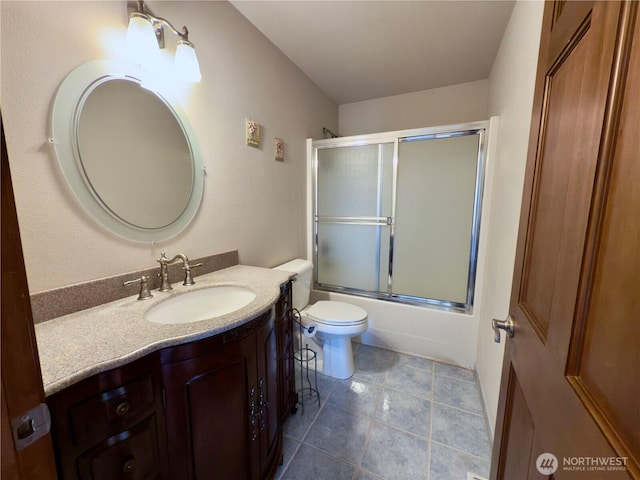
(63,301)
(465,102)
(424,332)
(251,202)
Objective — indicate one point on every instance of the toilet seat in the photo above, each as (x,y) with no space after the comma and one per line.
(330,312)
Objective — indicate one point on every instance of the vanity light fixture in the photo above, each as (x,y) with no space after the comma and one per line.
(145,37)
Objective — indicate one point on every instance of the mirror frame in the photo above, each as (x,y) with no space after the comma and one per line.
(66,111)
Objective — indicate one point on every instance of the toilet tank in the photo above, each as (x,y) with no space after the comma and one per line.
(302,285)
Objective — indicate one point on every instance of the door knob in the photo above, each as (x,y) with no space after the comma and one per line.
(508,326)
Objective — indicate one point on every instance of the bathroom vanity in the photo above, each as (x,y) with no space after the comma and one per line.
(208,402)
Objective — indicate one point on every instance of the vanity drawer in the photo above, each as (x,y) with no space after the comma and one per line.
(132,454)
(111,409)
(102,422)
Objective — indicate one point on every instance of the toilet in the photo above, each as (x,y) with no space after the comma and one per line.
(336,322)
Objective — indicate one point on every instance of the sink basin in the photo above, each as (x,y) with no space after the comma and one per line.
(200,304)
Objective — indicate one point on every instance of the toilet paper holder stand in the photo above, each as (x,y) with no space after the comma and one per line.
(308,360)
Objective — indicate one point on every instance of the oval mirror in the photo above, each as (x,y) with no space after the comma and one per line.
(127,151)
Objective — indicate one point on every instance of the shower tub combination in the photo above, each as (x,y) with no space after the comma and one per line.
(396,228)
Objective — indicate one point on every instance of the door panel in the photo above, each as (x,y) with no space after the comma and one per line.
(520,433)
(608,333)
(563,177)
(571,373)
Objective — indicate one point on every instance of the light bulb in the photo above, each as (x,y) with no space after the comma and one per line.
(186,62)
(142,44)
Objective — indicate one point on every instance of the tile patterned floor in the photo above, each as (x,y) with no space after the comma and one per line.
(399,417)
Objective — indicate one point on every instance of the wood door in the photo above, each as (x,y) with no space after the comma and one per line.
(21,388)
(569,403)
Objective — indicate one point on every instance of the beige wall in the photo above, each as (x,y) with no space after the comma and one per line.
(251,203)
(511,86)
(466,102)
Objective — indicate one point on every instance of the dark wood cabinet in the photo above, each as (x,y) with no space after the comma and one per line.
(287,397)
(267,403)
(132,454)
(209,409)
(111,425)
(212,401)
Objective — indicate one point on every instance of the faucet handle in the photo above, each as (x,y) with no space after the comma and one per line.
(144,293)
(163,258)
(188,278)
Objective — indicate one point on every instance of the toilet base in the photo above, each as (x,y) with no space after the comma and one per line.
(338,357)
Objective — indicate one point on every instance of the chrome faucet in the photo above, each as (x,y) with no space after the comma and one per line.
(164,262)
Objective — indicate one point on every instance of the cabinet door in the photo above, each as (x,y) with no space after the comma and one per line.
(267,355)
(287,397)
(209,404)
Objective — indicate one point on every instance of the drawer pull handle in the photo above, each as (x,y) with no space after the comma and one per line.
(129,466)
(123,408)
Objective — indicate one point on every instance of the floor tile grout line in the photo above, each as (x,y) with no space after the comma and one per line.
(394,427)
(368,436)
(455,378)
(429,460)
(370,352)
(457,408)
(400,429)
(374,475)
(375,418)
(371,420)
(315,417)
(433,388)
(338,459)
(295,450)
(404,392)
(462,451)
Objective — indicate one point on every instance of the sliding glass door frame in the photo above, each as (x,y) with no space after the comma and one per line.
(380,221)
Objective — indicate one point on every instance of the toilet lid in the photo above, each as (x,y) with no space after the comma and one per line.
(336,313)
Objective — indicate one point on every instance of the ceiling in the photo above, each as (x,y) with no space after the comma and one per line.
(359,50)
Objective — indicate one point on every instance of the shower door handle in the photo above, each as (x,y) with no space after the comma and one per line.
(508,326)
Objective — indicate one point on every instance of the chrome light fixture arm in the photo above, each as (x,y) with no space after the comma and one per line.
(157,22)
(144,25)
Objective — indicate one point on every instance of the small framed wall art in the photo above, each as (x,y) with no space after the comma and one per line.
(278,147)
(252,133)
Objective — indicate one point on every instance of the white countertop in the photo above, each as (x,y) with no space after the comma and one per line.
(81,344)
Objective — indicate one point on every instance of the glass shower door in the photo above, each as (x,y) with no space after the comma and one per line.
(434,217)
(397,214)
(353,217)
